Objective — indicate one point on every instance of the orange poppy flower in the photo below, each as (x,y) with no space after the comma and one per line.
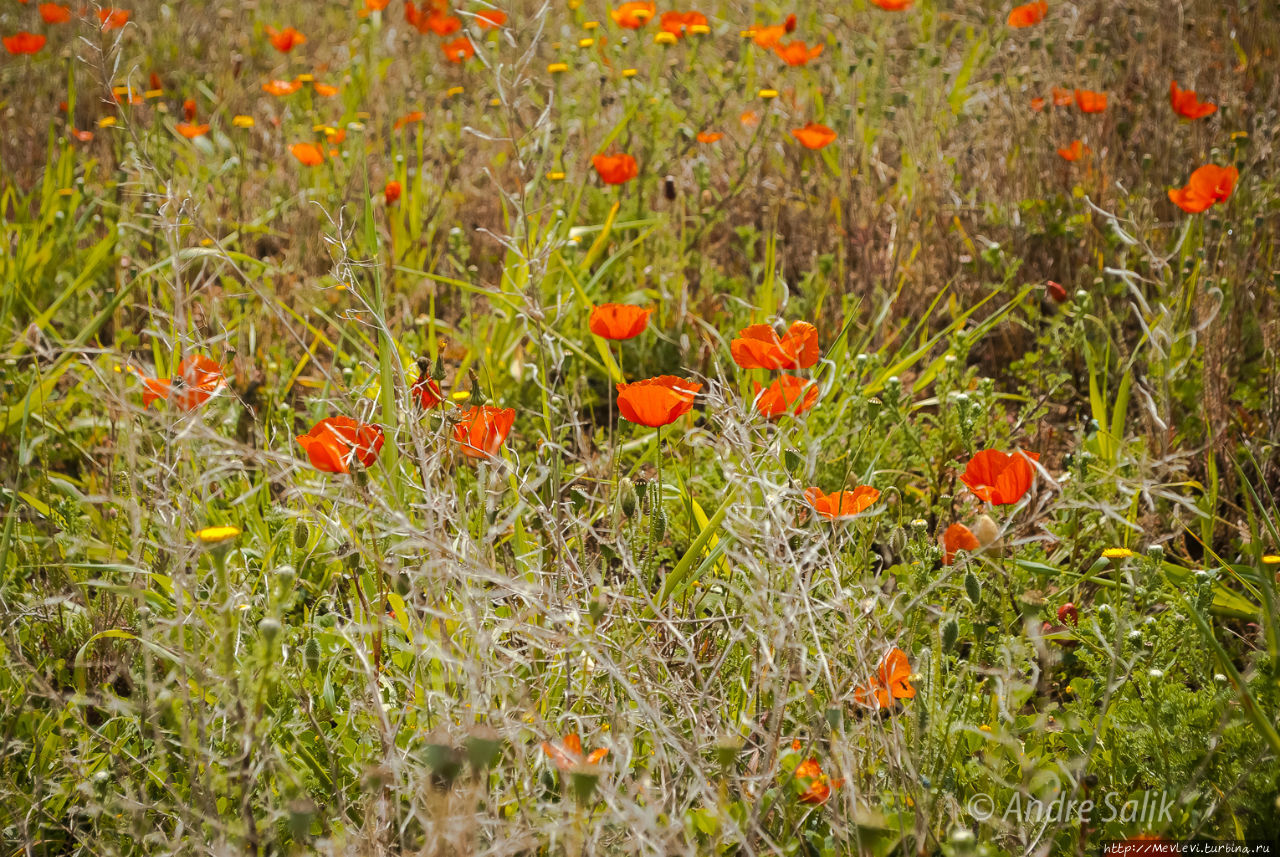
(567,753)
(1062,97)
(894,5)
(189,109)
(999,478)
(633,14)
(333,443)
(483,429)
(958,537)
(490,19)
(709,136)
(308,154)
(839,505)
(615,169)
(113,19)
(891,681)
(52,13)
(678,23)
(415,116)
(199,379)
(1186,105)
(375,5)
(281,87)
(787,394)
(759,347)
(749,119)
(1056,292)
(285,40)
(190,130)
(797,53)
(657,401)
(325,90)
(1208,185)
(441,24)
(1091,102)
(814,136)
(82,136)
(815,784)
(619,321)
(459,50)
(24,43)
(1073,152)
(426,392)
(1037,104)
(1028,14)
(391,193)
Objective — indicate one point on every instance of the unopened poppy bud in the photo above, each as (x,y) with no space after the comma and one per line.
(269,628)
(986,531)
(659,527)
(972,588)
(311,654)
(627,496)
(286,575)
(950,633)
(301,534)
(437,371)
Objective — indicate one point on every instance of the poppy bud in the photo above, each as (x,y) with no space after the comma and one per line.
(987,532)
(286,576)
(950,633)
(437,371)
(627,496)
(972,588)
(301,534)
(658,528)
(311,654)
(269,628)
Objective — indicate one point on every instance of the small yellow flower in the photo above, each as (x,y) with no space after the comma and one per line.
(153,93)
(555,176)
(747,34)
(984,728)
(591,25)
(206,242)
(664,38)
(768,93)
(699,30)
(1069,690)
(629,72)
(586,43)
(324,129)
(210,536)
(557,67)
(242,121)
(495,102)
(306,78)
(1117,553)
(363,114)
(1271,559)
(453,90)
(106,121)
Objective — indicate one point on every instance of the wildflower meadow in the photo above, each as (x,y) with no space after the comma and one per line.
(505,427)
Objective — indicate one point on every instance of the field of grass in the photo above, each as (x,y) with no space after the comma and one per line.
(337,518)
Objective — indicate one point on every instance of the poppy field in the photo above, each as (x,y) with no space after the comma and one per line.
(458,427)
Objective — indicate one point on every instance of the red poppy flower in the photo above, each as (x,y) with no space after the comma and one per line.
(1208,184)
(892,681)
(281,87)
(24,43)
(1028,14)
(839,505)
(1068,613)
(619,321)
(325,90)
(678,23)
(958,537)
(815,784)
(308,154)
(615,169)
(999,478)
(190,130)
(567,753)
(333,443)
(759,347)
(1037,104)
(490,19)
(285,40)
(113,19)
(634,14)
(1091,102)
(189,109)
(1056,292)
(797,53)
(199,379)
(483,430)
(788,394)
(814,136)
(1186,105)
(426,392)
(391,193)
(459,50)
(894,5)
(1062,97)
(82,136)
(1074,152)
(52,13)
(657,401)
(709,136)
